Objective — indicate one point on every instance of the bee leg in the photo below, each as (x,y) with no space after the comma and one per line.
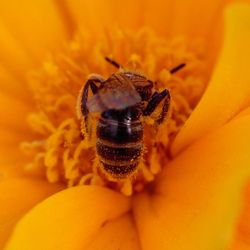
(94,79)
(91,83)
(94,87)
(155,100)
(164,110)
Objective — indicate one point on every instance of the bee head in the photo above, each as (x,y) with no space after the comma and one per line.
(145,90)
(142,85)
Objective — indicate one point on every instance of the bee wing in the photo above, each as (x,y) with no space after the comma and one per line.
(113,99)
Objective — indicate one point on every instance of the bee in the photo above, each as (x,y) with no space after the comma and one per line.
(121,100)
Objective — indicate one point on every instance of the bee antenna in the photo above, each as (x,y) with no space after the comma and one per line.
(177,68)
(113,62)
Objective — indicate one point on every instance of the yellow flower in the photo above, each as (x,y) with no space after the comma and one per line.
(188,193)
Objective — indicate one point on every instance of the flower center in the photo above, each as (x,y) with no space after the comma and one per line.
(62,151)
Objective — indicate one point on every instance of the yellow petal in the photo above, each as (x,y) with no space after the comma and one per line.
(196,201)
(229,88)
(68,219)
(36,25)
(17,196)
(118,234)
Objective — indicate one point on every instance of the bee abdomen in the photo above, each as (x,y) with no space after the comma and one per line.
(118,152)
(119,160)
(119,172)
(119,132)
(119,146)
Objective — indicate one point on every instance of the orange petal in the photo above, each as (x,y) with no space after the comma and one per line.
(17,196)
(195,203)
(15,103)
(13,129)
(118,234)
(192,18)
(181,17)
(13,113)
(97,15)
(240,245)
(229,88)
(68,219)
(36,25)
(242,236)
(12,159)
(12,53)
(12,86)
(244,112)
(12,163)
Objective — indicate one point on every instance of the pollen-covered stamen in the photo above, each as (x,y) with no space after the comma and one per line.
(61,148)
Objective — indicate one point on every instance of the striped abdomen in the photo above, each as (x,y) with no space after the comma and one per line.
(119,146)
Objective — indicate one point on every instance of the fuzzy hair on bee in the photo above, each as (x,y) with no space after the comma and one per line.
(122,101)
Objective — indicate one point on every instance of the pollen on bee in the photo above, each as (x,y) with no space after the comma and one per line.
(64,151)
